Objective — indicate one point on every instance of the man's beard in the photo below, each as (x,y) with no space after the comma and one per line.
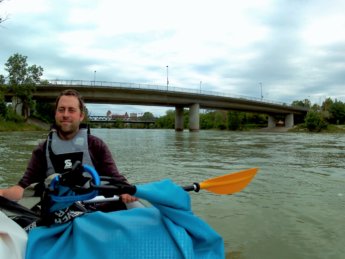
(66,130)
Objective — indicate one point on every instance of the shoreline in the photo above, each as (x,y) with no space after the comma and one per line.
(34,124)
(275,129)
(38,123)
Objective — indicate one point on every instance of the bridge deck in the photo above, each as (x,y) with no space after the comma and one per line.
(136,94)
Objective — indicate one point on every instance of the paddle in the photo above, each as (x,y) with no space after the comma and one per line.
(225,184)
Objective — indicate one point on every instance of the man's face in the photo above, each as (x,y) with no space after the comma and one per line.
(68,116)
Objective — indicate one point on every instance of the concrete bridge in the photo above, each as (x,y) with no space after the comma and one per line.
(180,98)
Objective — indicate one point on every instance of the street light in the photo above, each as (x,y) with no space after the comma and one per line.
(167,77)
(261,91)
(94,77)
(200,86)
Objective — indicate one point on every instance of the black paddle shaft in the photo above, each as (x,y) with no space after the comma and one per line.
(195,187)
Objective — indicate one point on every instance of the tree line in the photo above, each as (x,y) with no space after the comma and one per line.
(319,117)
(22,80)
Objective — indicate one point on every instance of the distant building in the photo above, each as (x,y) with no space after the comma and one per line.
(124,117)
(133,115)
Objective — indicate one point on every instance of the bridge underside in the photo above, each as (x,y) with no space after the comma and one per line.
(288,123)
(194,117)
(194,120)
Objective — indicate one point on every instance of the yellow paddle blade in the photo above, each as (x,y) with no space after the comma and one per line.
(230,183)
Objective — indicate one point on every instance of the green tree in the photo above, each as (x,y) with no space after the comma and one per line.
(167,121)
(314,121)
(337,112)
(326,104)
(304,103)
(22,80)
(255,118)
(3,108)
(234,120)
(220,120)
(316,107)
(148,116)
(207,120)
(45,111)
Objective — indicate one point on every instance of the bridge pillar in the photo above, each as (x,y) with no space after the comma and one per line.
(178,118)
(17,105)
(271,121)
(194,117)
(289,120)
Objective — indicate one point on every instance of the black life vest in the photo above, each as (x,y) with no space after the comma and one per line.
(62,154)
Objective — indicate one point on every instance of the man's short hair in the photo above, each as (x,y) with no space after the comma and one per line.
(71,92)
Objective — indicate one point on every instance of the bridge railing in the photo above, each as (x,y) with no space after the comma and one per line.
(76,83)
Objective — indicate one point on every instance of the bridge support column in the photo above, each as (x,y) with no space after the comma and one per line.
(271,121)
(17,105)
(289,120)
(178,118)
(194,117)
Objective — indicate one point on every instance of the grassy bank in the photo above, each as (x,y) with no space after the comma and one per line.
(335,128)
(331,128)
(18,126)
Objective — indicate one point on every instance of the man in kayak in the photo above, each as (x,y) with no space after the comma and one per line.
(67,142)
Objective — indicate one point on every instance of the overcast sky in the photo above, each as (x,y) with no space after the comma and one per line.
(294,48)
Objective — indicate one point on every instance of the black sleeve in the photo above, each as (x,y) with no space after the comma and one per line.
(37,167)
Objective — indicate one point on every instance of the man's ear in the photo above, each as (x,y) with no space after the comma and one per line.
(82,116)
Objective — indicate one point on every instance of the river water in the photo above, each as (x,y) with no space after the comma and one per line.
(293,208)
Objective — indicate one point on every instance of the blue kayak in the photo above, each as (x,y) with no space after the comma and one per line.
(167,229)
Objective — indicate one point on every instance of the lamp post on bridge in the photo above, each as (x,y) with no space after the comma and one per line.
(94,77)
(167,78)
(261,91)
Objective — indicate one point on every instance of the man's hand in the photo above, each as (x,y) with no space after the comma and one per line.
(14,193)
(126,198)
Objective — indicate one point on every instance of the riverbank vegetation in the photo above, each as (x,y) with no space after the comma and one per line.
(217,119)
(329,117)
(22,80)
(18,126)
